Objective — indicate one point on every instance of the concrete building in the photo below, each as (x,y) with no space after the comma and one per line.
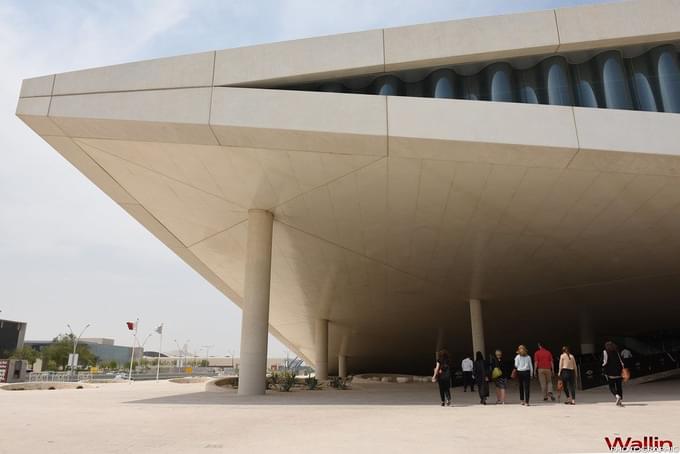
(11,336)
(103,348)
(370,197)
(226,362)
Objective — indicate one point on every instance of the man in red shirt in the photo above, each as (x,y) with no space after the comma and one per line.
(545,369)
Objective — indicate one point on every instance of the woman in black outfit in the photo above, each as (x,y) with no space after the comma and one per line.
(612,366)
(442,376)
(481,373)
(499,376)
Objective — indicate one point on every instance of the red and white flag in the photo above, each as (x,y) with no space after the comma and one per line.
(131,325)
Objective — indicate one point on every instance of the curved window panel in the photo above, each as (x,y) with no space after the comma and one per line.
(387,86)
(615,90)
(647,82)
(442,83)
(586,87)
(499,83)
(558,90)
(642,84)
(528,86)
(667,68)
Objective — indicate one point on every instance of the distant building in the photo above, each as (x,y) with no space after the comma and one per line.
(11,336)
(104,349)
(152,354)
(221,362)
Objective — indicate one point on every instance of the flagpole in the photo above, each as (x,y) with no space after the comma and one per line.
(160,347)
(132,355)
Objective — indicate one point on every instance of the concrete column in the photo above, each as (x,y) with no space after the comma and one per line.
(255,320)
(477,325)
(21,336)
(321,360)
(586,332)
(342,366)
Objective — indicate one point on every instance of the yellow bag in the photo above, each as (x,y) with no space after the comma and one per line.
(496,373)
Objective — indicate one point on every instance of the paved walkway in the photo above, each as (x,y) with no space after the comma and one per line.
(149,417)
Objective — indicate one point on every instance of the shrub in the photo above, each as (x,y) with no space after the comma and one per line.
(312,383)
(339,383)
(273,380)
(286,381)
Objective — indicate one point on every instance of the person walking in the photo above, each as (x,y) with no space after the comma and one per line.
(481,375)
(499,377)
(567,373)
(467,366)
(627,357)
(525,370)
(612,366)
(545,370)
(442,376)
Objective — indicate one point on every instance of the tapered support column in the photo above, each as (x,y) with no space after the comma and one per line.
(321,364)
(477,325)
(342,366)
(255,320)
(586,332)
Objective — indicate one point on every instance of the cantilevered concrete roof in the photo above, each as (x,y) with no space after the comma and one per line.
(392,212)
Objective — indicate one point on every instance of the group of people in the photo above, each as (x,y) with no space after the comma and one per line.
(481,372)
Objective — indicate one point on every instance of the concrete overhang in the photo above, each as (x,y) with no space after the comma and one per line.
(391,212)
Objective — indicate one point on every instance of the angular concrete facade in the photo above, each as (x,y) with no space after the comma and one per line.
(392,213)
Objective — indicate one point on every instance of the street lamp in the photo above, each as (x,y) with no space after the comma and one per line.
(179,349)
(75,345)
(183,351)
(145,340)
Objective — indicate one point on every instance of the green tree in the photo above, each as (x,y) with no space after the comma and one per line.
(27,353)
(61,347)
(112,365)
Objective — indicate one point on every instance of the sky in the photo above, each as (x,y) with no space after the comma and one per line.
(68,254)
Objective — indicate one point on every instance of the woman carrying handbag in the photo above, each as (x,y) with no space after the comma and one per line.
(442,376)
(498,376)
(614,370)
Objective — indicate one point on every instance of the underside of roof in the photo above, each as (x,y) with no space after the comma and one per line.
(391,212)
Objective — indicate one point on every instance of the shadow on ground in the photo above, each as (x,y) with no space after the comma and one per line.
(410,394)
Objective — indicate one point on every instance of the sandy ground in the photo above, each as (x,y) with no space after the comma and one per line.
(149,417)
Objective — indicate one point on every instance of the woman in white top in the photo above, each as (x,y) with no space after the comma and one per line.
(525,370)
(567,373)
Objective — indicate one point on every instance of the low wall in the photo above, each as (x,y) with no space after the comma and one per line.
(190,380)
(222,384)
(390,378)
(32,386)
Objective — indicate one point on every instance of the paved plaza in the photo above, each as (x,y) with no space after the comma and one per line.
(149,417)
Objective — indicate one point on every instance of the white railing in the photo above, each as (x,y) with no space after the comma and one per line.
(58,376)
